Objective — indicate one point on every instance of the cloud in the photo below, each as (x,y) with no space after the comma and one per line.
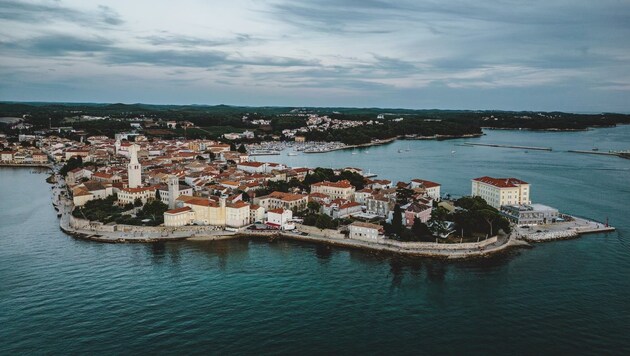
(38,13)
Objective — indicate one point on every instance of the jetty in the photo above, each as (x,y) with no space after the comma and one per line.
(622,154)
(533,148)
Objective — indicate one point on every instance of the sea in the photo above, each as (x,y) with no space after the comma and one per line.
(60,295)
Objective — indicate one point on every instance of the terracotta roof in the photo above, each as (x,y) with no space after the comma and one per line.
(238,204)
(178,210)
(251,164)
(341,184)
(501,182)
(426,183)
(366,225)
(276,211)
(286,196)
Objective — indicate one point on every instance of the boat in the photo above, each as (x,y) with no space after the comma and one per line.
(400,151)
(354,152)
(292,154)
(407,149)
(453,152)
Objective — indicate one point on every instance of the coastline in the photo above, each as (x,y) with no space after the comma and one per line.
(392,139)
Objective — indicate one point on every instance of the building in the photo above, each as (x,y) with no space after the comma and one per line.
(501,191)
(237,214)
(252,167)
(417,211)
(365,231)
(179,217)
(129,195)
(533,214)
(256,213)
(335,190)
(432,189)
(277,200)
(134,170)
(280,219)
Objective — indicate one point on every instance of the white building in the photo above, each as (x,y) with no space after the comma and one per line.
(280,219)
(335,190)
(501,191)
(432,189)
(179,217)
(365,231)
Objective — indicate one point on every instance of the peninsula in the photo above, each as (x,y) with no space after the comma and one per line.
(132,188)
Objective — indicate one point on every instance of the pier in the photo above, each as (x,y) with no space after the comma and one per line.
(509,146)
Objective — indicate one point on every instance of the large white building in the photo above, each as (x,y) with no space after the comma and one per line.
(134,170)
(501,191)
(335,190)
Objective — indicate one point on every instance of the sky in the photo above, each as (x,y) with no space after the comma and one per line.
(567,55)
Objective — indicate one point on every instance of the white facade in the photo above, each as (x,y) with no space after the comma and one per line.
(280,218)
(364,231)
(501,191)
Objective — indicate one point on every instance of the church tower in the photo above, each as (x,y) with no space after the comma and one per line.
(134,170)
(173,190)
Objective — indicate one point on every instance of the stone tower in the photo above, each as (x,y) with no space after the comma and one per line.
(173,191)
(134,170)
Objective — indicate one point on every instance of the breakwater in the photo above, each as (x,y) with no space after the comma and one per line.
(509,146)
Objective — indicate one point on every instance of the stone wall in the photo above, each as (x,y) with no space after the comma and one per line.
(83,224)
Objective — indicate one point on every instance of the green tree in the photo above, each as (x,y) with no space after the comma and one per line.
(242,148)
(421,231)
(313,206)
(324,222)
(137,202)
(397,224)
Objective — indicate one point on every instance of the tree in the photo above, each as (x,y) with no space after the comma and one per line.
(397,224)
(420,230)
(313,206)
(488,216)
(232,146)
(242,148)
(157,195)
(324,222)
(137,202)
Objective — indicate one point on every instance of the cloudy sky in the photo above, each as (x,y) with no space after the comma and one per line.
(570,55)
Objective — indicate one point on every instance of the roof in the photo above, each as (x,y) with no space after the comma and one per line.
(178,210)
(276,211)
(366,225)
(341,184)
(501,182)
(286,196)
(252,164)
(238,204)
(426,183)
(201,202)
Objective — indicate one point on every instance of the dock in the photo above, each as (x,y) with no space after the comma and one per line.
(534,148)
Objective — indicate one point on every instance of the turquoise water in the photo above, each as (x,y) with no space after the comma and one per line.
(64,296)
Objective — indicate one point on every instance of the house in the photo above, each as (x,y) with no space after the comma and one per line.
(335,190)
(179,217)
(106,177)
(378,205)
(501,191)
(340,208)
(7,156)
(252,167)
(256,213)
(80,196)
(417,211)
(365,231)
(277,200)
(432,189)
(280,219)
(129,195)
(237,214)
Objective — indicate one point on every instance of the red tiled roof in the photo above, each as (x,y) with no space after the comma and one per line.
(178,210)
(426,183)
(341,184)
(501,182)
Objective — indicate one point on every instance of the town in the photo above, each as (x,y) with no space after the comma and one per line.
(111,186)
